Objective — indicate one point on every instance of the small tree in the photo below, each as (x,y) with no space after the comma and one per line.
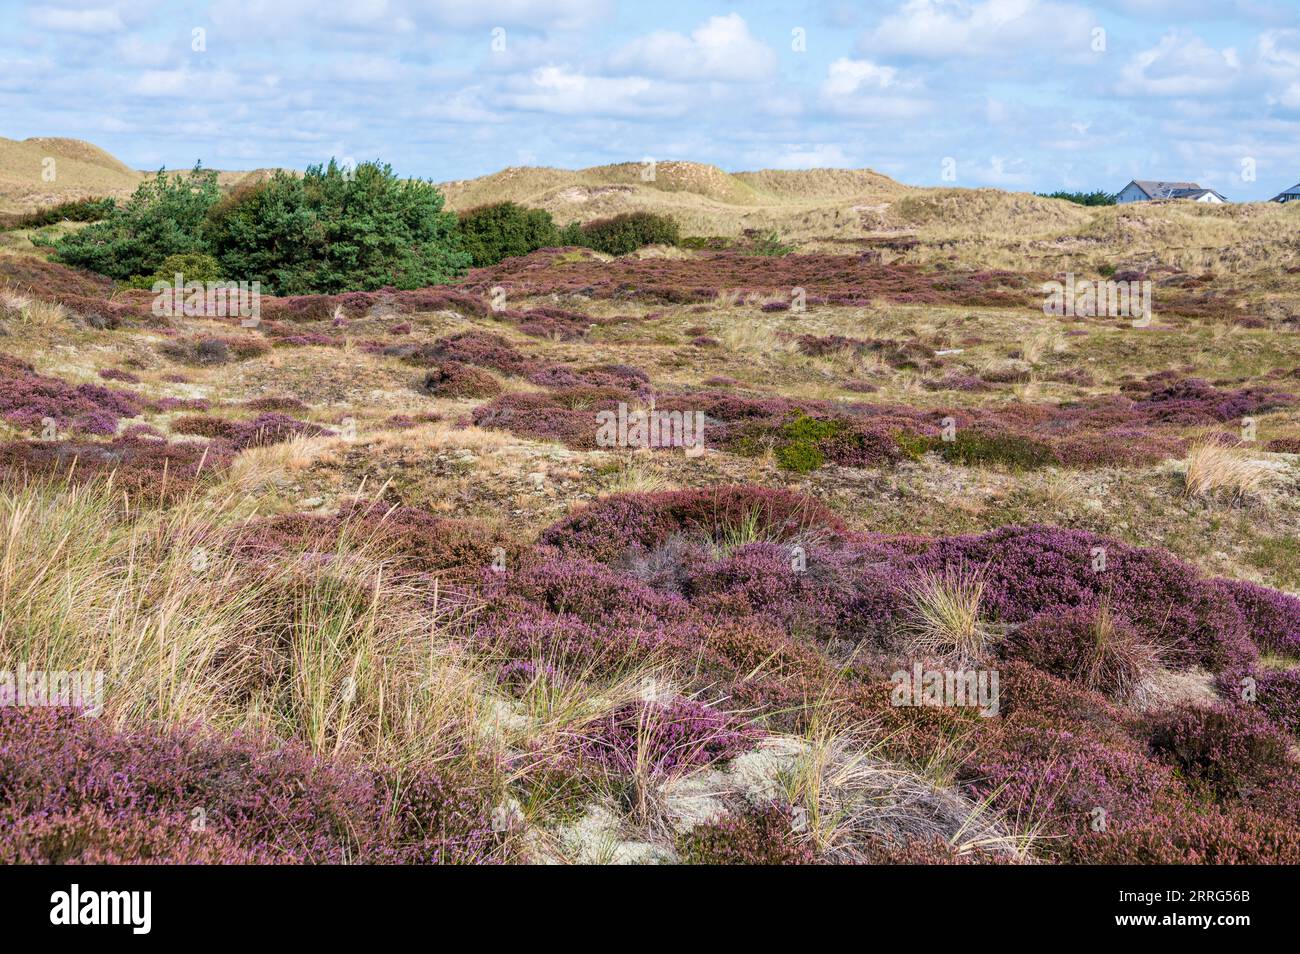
(161,218)
(491,233)
(337,230)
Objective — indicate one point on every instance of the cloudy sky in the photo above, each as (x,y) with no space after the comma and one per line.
(1018,94)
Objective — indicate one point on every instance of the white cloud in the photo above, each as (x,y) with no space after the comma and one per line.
(721,48)
(846,77)
(560,89)
(956,28)
(863,88)
(1180,66)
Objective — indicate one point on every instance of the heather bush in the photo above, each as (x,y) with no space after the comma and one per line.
(145,468)
(28,400)
(451,379)
(1028,570)
(1224,751)
(618,525)
(663,740)
(74,790)
(1056,778)
(1272,618)
(1276,694)
(263,430)
(469,347)
(760,837)
(1086,644)
(491,233)
(1179,835)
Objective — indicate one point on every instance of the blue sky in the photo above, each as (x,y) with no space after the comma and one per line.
(1018,94)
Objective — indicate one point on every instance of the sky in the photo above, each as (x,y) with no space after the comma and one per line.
(1017,94)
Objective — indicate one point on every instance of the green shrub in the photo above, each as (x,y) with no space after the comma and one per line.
(78,210)
(1081,198)
(799,450)
(492,233)
(800,457)
(768,245)
(972,447)
(332,230)
(626,233)
(191,266)
(161,218)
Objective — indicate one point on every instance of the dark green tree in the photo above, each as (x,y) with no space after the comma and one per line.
(161,218)
(336,229)
(492,233)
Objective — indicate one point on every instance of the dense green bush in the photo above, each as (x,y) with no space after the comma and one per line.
(625,233)
(191,266)
(329,230)
(162,218)
(333,230)
(492,233)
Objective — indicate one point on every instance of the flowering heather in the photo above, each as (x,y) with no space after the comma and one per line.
(663,740)
(600,376)
(1272,618)
(829,279)
(567,415)
(152,469)
(1225,751)
(74,790)
(480,348)
(1276,695)
(617,526)
(760,837)
(574,611)
(1088,645)
(116,374)
(263,430)
(1191,836)
(1029,570)
(28,398)
(451,379)
(1060,777)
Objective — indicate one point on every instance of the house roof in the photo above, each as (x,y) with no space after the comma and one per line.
(1294,190)
(1195,193)
(1156,189)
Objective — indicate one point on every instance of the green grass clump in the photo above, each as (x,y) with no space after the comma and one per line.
(799,449)
(973,448)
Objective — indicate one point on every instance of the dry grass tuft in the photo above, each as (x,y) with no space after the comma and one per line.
(1213,469)
(944,615)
